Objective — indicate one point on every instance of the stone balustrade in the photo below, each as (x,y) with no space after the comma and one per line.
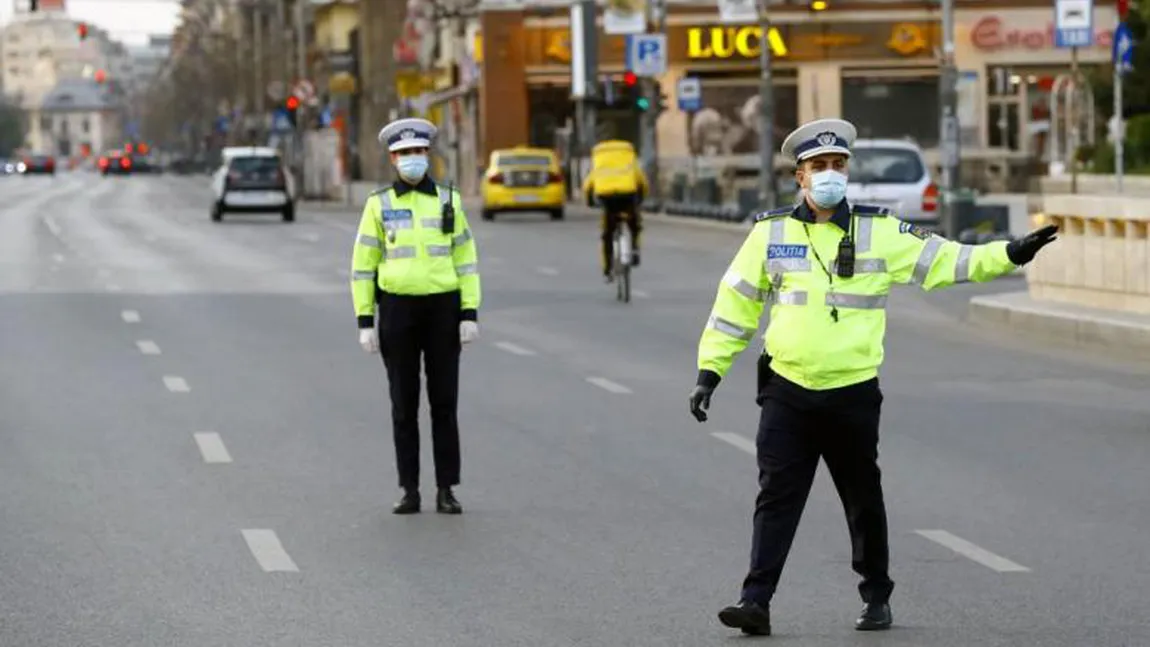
(1102,257)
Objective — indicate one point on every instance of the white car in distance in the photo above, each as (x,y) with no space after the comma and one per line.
(253,179)
(893,173)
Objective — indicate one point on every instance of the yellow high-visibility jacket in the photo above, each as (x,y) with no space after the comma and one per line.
(777,265)
(401,248)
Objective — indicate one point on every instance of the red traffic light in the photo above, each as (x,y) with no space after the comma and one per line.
(101,76)
(629,79)
(292,103)
(82,30)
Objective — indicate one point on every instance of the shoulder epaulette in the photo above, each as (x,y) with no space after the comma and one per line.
(381,189)
(872,210)
(778,212)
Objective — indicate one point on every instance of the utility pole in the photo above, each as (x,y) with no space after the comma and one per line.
(584,77)
(948,122)
(767,193)
(1075,110)
(648,122)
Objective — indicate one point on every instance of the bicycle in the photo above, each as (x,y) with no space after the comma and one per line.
(621,264)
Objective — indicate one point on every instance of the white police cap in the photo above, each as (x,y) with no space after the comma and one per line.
(407,133)
(820,137)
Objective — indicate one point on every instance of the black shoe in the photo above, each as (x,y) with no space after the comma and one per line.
(752,618)
(635,258)
(446,503)
(409,504)
(875,617)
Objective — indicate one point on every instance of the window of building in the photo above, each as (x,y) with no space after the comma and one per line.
(1018,107)
(84,126)
(869,95)
(45,122)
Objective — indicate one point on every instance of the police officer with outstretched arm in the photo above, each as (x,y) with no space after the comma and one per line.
(415,258)
(825,268)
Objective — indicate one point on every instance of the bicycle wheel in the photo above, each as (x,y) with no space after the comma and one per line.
(623,264)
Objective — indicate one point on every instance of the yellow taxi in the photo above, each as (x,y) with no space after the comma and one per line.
(523,179)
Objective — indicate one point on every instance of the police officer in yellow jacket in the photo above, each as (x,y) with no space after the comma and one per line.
(824,268)
(415,257)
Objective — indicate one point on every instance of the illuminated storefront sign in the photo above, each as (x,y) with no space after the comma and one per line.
(728,42)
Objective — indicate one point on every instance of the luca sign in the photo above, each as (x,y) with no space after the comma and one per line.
(730,42)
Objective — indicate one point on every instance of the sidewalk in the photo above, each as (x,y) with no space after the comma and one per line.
(1064,322)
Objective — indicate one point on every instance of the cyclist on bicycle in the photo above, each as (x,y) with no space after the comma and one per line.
(618,184)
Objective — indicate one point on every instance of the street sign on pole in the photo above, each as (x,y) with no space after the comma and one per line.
(646,54)
(690,94)
(1123,54)
(1073,23)
(738,11)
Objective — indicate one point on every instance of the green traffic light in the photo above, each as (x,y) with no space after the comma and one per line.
(643,103)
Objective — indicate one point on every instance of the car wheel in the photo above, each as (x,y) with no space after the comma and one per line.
(557,214)
(488,214)
(289,213)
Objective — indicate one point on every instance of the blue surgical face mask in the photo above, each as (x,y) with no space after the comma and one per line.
(828,188)
(412,167)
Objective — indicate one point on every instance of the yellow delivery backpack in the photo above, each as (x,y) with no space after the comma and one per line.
(614,168)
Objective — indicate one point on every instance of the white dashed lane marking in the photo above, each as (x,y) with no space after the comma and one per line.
(130,316)
(59,258)
(268,551)
(547,271)
(608,385)
(176,384)
(148,347)
(52,225)
(212,447)
(640,294)
(737,441)
(514,349)
(973,552)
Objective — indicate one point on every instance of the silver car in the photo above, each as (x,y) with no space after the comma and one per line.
(893,173)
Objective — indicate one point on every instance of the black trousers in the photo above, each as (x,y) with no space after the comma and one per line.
(614,207)
(412,328)
(796,428)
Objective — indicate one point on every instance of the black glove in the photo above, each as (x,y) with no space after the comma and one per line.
(1022,251)
(700,398)
(701,401)
(590,199)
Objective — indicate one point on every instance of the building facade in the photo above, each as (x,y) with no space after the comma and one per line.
(76,119)
(875,64)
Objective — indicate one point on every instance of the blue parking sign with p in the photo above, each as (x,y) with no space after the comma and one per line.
(646,54)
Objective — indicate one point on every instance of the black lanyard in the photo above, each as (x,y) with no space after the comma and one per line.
(823,267)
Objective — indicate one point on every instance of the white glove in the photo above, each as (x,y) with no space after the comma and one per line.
(468,331)
(369,340)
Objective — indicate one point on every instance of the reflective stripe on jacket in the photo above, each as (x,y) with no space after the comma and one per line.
(776,264)
(401,247)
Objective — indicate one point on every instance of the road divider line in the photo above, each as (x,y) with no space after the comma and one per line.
(212,447)
(268,551)
(176,384)
(640,294)
(52,225)
(973,552)
(130,316)
(736,441)
(547,271)
(148,347)
(608,385)
(514,349)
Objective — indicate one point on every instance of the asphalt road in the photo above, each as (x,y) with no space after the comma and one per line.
(196,451)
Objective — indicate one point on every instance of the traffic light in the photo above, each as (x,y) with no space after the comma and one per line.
(82,30)
(629,79)
(100,76)
(291,107)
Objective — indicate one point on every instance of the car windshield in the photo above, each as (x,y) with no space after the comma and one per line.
(523,160)
(254,164)
(885,166)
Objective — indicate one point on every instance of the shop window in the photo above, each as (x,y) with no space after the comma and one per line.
(1018,107)
(549,107)
(1003,124)
(873,101)
(729,122)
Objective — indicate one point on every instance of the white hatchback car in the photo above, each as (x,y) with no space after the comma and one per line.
(893,173)
(253,179)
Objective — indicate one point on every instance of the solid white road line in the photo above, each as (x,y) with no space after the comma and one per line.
(212,447)
(148,347)
(640,294)
(269,552)
(608,385)
(548,271)
(973,552)
(739,442)
(307,237)
(52,226)
(130,316)
(514,349)
(176,384)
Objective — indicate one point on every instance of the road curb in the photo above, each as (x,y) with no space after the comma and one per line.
(1063,322)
